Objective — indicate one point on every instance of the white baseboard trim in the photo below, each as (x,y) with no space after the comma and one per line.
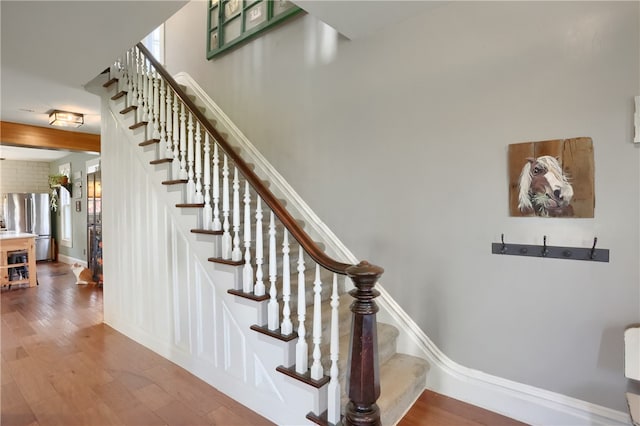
(71,260)
(516,400)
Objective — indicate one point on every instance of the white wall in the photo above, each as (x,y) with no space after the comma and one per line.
(398,141)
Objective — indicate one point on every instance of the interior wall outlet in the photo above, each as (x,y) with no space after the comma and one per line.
(636,120)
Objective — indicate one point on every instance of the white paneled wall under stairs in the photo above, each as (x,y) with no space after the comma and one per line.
(200,269)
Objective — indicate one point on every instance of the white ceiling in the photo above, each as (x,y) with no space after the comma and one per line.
(30,154)
(51,49)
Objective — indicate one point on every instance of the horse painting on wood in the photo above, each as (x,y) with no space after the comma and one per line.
(552,178)
(544,188)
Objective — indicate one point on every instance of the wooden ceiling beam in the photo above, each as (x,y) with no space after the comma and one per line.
(24,135)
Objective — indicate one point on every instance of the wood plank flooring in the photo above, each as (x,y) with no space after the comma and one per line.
(61,366)
(434,409)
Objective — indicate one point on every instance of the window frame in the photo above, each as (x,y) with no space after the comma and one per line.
(66,219)
(246,6)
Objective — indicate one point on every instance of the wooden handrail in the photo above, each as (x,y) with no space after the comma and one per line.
(267,196)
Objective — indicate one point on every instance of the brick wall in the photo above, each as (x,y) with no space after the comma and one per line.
(22,176)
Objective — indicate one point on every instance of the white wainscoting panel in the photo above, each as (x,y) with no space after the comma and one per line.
(235,347)
(160,290)
(206,333)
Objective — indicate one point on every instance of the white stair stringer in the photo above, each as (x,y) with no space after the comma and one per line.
(161,291)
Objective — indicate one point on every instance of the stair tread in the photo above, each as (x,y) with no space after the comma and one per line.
(402,380)
(149,142)
(190,205)
(119,95)
(129,109)
(110,82)
(138,125)
(162,161)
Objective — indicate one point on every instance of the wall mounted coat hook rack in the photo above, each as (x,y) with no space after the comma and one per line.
(554,252)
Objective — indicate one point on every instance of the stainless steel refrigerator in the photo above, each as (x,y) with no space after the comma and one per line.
(31,213)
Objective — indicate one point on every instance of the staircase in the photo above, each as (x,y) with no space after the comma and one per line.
(322,344)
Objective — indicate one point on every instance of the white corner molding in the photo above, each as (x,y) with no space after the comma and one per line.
(523,402)
(636,120)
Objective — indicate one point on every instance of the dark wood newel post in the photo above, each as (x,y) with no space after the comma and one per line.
(363,374)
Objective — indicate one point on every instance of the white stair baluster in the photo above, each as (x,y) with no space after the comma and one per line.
(287,325)
(140,86)
(169,125)
(128,76)
(302,350)
(199,198)
(191,186)
(333,390)
(162,105)
(183,143)
(149,99)
(259,289)
(316,367)
(145,90)
(236,254)
(217,226)
(134,80)
(207,211)
(273,309)
(155,105)
(247,270)
(226,235)
(175,165)
(119,71)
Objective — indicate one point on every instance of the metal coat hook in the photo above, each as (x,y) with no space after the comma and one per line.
(572,253)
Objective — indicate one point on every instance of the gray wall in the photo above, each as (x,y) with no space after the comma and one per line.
(398,141)
(78,219)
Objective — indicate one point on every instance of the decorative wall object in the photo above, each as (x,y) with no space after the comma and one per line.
(552,178)
(231,22)
(77,184)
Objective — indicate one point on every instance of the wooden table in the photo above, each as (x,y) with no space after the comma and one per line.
(13,241)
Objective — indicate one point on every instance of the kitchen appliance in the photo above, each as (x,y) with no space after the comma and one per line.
(30,213)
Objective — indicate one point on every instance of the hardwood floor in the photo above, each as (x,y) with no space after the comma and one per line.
(434,409)
(61,366)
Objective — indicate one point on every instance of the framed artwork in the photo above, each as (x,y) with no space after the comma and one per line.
(552,178)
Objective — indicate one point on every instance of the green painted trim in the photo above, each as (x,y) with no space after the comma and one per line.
(270,22)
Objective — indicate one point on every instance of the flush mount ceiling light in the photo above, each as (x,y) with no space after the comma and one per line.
(66,119)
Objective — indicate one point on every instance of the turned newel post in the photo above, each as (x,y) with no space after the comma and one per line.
(363,375)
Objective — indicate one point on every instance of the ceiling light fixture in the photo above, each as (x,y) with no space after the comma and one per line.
(66,119)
